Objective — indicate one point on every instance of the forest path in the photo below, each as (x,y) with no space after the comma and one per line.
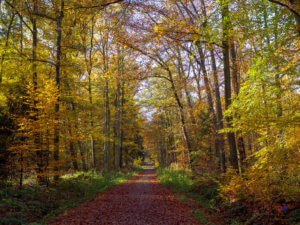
(139,201)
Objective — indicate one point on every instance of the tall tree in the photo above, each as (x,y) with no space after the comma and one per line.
(227,80)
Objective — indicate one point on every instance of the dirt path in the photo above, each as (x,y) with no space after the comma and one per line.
(139,201)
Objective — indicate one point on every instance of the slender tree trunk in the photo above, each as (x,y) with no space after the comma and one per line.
(227,80)
(235,70)
(184,80)
(210,103)
(21,170)
(118,161)
(182,118)
(81,150)
(21,157)
(92,123)
(89,65)
(121,118)
(220,136)
(73,153)
(37,133)
(71,144)
(107,114)
(57,79)
(164,144)
(236,89)
(171,140)
(107,125)
(197,79)
(47,152)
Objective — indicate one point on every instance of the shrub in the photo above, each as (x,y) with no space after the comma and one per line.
(179,180)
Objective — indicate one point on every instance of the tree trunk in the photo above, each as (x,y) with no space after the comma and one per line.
(71,144)
(197,79)
(210,103)
(227,80)
(121,118)
(81,150)
(107,124)
(57,79)
(171,140)
(236,89)
(37,132)
(106,148)
(182,118)
(217,120)
(220,137)
(89,65)
(187,93)
(118,161)
(73,153)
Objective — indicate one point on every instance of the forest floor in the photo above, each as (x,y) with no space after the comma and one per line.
(141,200)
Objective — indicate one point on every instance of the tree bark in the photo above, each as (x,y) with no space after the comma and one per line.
(182,118)
(106,148)
(236,89)
(57,79)
(201,62)
(227,80)
(121,129)
(37,136)
(118,106)
(81,150)
(89,65)
(71,144)
(220,136)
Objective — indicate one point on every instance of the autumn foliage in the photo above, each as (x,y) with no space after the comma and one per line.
(208,87)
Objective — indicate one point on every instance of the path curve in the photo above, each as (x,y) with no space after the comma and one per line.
(139,201)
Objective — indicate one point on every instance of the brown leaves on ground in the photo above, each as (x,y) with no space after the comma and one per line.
(141,200)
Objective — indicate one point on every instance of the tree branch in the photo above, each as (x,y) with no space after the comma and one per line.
(20,16)
(44,16)
(286,6)
(97,6)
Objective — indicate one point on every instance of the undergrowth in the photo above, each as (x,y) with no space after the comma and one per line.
(38,204)
(179,180)
(208,194)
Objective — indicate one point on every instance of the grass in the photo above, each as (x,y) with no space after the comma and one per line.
(206,194)
(38,204)
(199,215)
(181,181)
